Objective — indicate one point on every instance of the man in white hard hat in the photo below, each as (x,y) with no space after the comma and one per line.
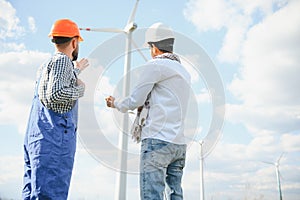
(163,90)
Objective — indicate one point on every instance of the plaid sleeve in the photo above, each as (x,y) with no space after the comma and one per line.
(62,82)
(77,71)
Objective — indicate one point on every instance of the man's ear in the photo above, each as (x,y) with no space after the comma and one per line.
(156,51)
(74,43)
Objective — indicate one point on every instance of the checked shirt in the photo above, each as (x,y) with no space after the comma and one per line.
(57,88)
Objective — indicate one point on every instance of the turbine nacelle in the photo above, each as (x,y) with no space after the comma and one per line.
(130,27)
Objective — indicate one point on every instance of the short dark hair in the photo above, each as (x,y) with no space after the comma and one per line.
(61,40)
(165,46)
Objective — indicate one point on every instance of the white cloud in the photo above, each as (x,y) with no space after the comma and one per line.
(17,85)
(10,28)
(203,96)
(232,44)
(88,178)
(262,146)
(268,82)
(11,167)
(11,46)
(264,119)
(235,16)
(207,14)
(31,23)
(9,22)
(291,142)
(270,61)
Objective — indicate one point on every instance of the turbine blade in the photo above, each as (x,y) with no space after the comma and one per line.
(280,157)
(110,30)
(270,163)
(138,49)
(132,16)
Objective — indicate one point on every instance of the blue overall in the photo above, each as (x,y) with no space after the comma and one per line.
(49,150)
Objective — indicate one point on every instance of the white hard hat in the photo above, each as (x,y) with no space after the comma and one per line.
(158,32)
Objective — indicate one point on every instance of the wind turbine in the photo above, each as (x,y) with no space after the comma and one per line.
(276,164)
(123,139)
(201,171)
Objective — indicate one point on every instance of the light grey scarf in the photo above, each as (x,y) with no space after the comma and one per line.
(170,56)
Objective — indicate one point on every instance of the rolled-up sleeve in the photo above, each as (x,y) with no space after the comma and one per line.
(59,90)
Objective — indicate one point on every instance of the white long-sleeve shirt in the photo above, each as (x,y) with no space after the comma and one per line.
(169,85)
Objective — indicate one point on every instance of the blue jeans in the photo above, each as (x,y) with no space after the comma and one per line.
(161,162)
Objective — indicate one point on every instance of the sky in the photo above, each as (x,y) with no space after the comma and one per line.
(255,48)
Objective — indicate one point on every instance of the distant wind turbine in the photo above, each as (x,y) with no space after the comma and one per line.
(276,164)
(201,171)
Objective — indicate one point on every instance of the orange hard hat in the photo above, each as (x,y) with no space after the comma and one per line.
(65,28)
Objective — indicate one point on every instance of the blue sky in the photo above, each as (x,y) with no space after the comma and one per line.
(255,47)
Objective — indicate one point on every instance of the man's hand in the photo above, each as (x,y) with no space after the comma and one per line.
(110,102)
(82,64)
(80,82)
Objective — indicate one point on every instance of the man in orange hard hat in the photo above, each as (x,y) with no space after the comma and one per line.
(50,140)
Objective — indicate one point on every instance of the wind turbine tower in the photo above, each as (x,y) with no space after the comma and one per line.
(201,171)
(123,139)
